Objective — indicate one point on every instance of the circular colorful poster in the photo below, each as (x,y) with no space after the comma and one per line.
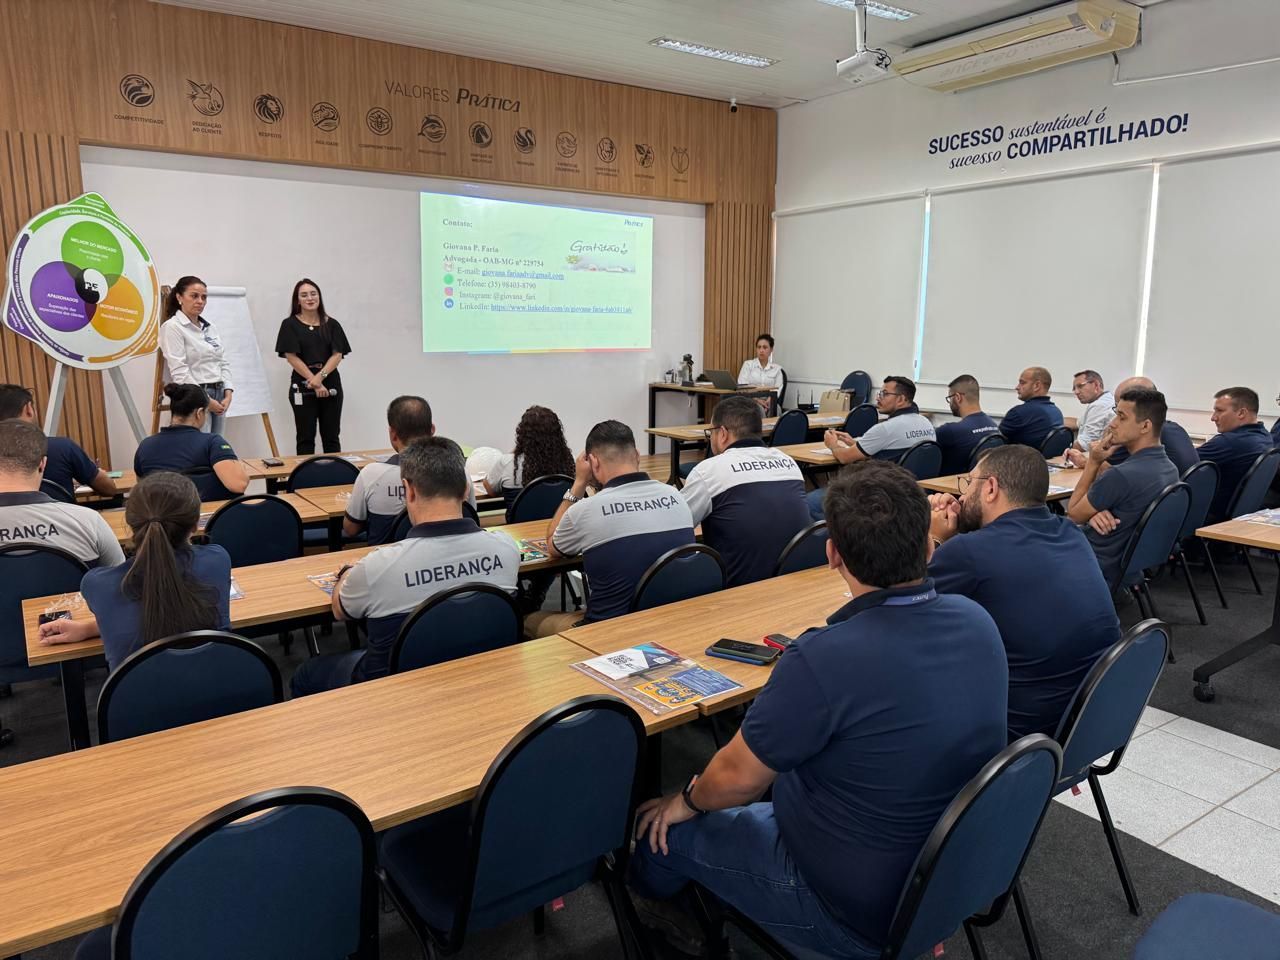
(83,286)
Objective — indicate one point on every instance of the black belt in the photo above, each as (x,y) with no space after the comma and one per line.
(213,386)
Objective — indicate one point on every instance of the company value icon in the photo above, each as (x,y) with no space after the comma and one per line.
(644,155)
(524,140)
(325,116)
(206,99)
(268,108)
(137,90)
(566,144)
(480,135)
(680,159)
(433,128)
(379,121)
(607,150)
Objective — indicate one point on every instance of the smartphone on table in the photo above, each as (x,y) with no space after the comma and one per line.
(754,653)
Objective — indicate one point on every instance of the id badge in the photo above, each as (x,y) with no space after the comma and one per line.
(297,396)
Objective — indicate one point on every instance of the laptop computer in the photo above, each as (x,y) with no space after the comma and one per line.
(722,379)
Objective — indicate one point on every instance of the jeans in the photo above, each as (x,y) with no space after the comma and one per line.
(814,499)
(214,422)
(739,856)
(313,410)
(328,672)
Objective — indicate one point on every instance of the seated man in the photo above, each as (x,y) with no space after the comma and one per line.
(29,516)
(1111,500)
(1240,441)
(749,498)
(1099,407)
(867,730)
(887,440)
(443,550)
(959,439)
(1036,416)
(619,531)
(1177,444)
(68,465)
(1054,626)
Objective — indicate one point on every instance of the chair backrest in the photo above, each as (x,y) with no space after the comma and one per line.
(985,446)
(322,471)
(1057,442)
(976,850)
(1202,480)
(401,525)
(779,403)
(1106,708)
(680,573)
(185,679)
(1254,484)
(858,383)
(561,795)
(467,619)
(470,512)
(924,460)
(539,499)
(792,427)
(30,570)
(56,491)
(1156,533)
(298,880)
(861,418)
(256,528)
(807,549)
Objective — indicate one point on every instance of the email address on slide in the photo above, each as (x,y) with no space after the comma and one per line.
(542,308)
(520,274)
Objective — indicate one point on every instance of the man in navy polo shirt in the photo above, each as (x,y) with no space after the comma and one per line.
(867,730)
(68,465)
(1036,416)
(1240,441)
(1054,626)
(959,439)
(749,498)
(619,532)
(443,550)
(1111,500)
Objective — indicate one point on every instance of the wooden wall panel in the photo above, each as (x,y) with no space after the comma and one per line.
(738,280)
(38,170)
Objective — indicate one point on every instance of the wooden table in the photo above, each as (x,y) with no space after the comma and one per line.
(691,435)
(308,511)
(275,475)
(1062,483)
(1247,534)
(124,483)
(788,605)
(77,828)
(813,455)
(699,390)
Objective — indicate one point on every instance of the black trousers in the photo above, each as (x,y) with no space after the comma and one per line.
(327,412)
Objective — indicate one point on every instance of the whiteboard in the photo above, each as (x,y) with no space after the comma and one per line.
(228,311)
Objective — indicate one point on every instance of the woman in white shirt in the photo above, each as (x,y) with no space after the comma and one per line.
(762,371)
(192,349)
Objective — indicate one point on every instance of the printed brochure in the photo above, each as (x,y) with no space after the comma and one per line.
(658,679)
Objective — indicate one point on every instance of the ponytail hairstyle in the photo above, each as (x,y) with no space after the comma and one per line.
(162,512)
(178,289)
(295,307)
(185,398)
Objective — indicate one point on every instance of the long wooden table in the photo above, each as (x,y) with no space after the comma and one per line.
(307,510)
(274,475)
(1062,483)
(700,391)
(692,435)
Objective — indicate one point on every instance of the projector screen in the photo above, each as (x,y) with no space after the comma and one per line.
(506,277)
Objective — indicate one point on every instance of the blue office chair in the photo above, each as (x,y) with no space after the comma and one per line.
(861,419)
(1249,497)
(300,880)
(401,526)
(985,446)
(806,550)
(968,868)
(324,470)
(1056,442)
(1102,717)
(459,622)
(680,573)
(924,460)
(1152,543)
(858,384)
(1201,925)
(1202,480)
(779,403)
(185,679)
(56,491)
(30,570)
(539,499)
(554,811)
(792,427)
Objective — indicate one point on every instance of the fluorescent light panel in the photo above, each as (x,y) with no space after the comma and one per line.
(882,10)
(701,50)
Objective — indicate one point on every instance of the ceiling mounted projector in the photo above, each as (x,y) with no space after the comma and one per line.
(866,65)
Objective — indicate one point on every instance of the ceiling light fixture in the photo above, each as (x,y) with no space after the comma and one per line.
(882,10)
(701,50)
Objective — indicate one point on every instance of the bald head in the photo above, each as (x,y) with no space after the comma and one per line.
(1144,383)
(1033,382)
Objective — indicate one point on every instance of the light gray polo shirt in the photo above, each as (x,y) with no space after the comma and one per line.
(378,497)
(891,438)
(34,517)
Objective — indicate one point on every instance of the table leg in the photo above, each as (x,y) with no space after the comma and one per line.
(653,416)
(702,407)
(335,534)
(73,697)
(273,484)
(674,478)
(1241,651)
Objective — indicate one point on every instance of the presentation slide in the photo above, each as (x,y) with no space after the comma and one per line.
(506,277)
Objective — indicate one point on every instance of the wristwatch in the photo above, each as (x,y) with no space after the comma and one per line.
(687,795)
(569,497)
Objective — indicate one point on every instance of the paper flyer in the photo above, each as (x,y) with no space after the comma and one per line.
(325,581)
(658,679)
(236,592)
(533,549)
(1270,518)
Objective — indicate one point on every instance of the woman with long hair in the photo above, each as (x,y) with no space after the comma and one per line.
(167,587)
(192,349)
(540,450)
(183,447)
(313,343)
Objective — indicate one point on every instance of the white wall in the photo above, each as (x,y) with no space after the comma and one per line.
(263,226)
(874,143)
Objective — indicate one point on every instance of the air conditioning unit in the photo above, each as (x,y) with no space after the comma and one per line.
(1057,35)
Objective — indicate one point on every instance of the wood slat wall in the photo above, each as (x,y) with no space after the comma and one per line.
(739,281)
(38,170)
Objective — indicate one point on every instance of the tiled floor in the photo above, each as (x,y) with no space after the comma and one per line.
(1200,794)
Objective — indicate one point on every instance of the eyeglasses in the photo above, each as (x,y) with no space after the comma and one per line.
(964,482)
(952,396)
(887,393)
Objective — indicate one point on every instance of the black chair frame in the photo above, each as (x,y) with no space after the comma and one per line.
(1179,554)
(238,810)
(181,641)
(794,415)
(1234,510)
(532,485)
(985,446)
(1056,435)
(300,467)
(612,873)
(425,607)
(794,544)
(670,556)
(922,445)
(1141,592)
(715,912)
(58,492)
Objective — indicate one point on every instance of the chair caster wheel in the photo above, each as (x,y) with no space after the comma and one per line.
(1204,692)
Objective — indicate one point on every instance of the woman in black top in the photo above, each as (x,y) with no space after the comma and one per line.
(314,344)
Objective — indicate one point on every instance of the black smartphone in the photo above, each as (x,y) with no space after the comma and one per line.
(55,615)
(756,653)
(779,640)
(273,461)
